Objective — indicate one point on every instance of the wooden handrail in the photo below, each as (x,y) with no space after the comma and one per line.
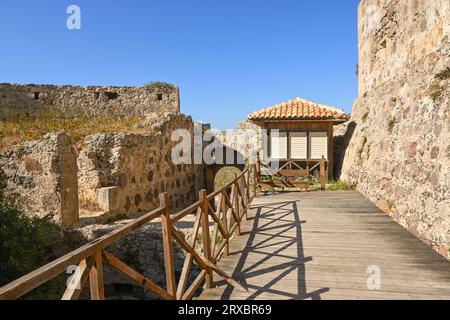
(90,258)
(286,171)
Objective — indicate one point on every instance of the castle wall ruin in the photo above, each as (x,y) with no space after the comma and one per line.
(399,151)
(93,101)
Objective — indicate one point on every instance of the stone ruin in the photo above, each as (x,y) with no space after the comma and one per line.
(115,176)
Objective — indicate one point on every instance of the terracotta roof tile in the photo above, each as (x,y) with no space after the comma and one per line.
(299,109)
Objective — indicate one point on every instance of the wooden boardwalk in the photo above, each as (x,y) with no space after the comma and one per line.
(320,245)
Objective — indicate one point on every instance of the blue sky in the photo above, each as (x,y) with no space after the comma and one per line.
(229,57)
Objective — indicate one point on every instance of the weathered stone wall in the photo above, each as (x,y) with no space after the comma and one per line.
(72,101)
(399,152)
(42,178)
(125,173)
(393,34)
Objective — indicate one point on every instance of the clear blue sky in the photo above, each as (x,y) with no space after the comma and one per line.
(229,57)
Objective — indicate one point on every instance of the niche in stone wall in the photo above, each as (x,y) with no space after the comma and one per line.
(159,96)
(111,95)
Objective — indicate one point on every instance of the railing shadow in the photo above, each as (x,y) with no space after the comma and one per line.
(281,228)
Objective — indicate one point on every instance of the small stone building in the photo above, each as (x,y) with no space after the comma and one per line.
(298,133)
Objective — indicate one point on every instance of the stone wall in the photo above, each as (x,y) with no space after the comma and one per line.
(395,33)
(399,152)
(125,173)
(113,175)
(72,101)
(42,178)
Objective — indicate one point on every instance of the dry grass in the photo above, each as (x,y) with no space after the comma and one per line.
(16,131)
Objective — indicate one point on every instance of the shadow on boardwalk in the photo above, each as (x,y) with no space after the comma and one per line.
(266,222)
(321,245)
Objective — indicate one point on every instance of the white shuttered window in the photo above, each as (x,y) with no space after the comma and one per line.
(278,143)
(299,145)
(318,145)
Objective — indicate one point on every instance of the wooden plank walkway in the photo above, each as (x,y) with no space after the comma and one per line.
(319,245)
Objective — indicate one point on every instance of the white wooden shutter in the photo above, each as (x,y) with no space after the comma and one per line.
(278,143)
(319,145)
(299,147)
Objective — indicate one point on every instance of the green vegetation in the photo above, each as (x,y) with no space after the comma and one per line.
(25,245)
(444,75)
(435,95)
(160,85)
(225,176)
(391,124)
(361,149)
(365,116)
(334,185)
(340,185)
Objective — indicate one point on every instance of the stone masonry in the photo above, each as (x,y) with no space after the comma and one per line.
(125,173)
(42,178)
(398,151)
(72,101)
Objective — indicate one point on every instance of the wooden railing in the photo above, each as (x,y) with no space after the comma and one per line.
(294,173)
(225,221)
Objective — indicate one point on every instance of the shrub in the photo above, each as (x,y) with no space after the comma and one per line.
(160,85)
(25,245)
(436,95)
(444,75)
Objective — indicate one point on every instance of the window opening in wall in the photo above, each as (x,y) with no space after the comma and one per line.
(160,96)
(112,95)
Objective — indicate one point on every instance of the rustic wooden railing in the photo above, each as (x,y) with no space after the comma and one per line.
(232,208)
(292,174)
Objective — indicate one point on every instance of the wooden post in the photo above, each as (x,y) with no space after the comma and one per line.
(247,193)
(224,209)
(322,173)
(206,236)
(235,202)
(256,174)
(169,264)
(330,166)
(96,278)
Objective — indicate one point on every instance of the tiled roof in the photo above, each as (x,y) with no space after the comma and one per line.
(299,109)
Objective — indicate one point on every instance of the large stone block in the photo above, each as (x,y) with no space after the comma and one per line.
(42,178)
